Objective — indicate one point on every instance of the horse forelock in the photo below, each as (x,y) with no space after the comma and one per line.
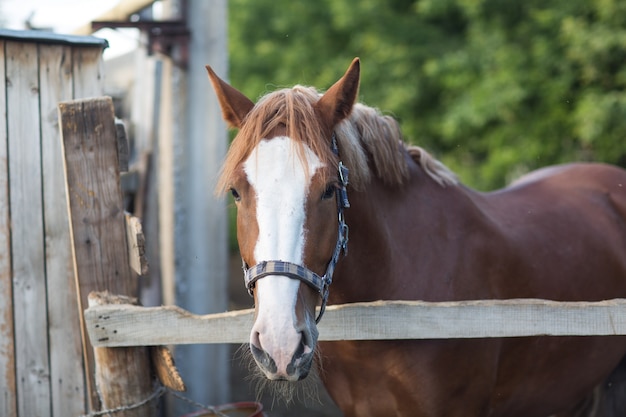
(290,109)
(367,140)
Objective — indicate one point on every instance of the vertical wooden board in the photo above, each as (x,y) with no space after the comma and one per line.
(124,376)
(165,179)
(88,81)
(66,361)
(95,204)
(88,72)
(95,197)
(8,405)
(27,244)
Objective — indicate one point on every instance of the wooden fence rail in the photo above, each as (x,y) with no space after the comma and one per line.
(116,325)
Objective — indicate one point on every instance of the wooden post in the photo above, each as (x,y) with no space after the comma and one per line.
(192,222)
(192,145)
(98,235)
(122,374)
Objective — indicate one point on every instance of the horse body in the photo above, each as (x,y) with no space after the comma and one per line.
(416,234)
(561,236)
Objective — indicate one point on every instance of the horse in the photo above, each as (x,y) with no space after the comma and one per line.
(309,170)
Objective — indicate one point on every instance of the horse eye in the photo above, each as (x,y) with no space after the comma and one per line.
(329,192)
(235,194)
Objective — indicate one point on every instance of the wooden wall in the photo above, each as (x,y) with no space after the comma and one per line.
(41,366)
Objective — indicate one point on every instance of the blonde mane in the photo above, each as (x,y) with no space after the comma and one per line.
(366,134)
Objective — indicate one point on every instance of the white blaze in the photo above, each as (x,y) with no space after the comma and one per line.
(281,183)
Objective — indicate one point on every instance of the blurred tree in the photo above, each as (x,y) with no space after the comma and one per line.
(494,88)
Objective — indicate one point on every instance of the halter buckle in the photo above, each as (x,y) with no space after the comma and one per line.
(345,231)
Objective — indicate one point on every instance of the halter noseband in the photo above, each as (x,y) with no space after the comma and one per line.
(320,284)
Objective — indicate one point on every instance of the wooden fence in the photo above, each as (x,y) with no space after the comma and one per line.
(124,325)
(41,370)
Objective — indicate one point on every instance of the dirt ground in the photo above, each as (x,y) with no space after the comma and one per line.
(242,389)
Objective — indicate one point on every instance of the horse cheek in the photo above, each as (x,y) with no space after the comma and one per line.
(247,232)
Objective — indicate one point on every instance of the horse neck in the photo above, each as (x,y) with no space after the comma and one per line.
(396,231)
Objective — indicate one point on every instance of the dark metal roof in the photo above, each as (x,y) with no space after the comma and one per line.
(37,36)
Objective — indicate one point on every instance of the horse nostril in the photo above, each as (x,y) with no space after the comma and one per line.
(261,356)
(255,340)
(301,360)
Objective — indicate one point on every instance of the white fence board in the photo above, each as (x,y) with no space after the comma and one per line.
(27,238)
(66,368)
(114,325)
(8,405)
(88,72)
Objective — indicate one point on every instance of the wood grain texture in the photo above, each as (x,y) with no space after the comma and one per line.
(136,245)
(88,70)
(379,320)
(165,368)
(123,375)
(27,237)
(95,205)
(95,197)
(66,366)
(8,394)
(88,81)
(123,148)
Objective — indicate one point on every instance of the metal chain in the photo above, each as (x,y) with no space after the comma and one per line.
(159,391)
(196,404)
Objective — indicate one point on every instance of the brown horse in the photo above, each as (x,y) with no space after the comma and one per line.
(416,233)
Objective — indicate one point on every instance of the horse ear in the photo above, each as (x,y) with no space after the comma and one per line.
(235,106)
(336,104)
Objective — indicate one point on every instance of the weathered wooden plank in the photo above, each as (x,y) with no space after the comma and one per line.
(165,369)
(66,365)
(379,320)
(124,374)
(123,148)
(27,234)
(8,394)
(166,325)
(95,201)
(136,245)
(88,70)
(95,204)
(88,80)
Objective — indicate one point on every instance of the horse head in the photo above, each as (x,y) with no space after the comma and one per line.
(284,172)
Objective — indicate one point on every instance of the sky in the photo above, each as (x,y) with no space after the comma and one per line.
(64,16)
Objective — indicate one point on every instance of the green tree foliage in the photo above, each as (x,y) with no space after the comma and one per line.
(494,88)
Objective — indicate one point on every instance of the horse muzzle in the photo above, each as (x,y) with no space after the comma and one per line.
(288,358)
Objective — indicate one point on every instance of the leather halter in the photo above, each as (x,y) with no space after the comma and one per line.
(320,284)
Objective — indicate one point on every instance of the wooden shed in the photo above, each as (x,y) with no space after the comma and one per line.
(41,365)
